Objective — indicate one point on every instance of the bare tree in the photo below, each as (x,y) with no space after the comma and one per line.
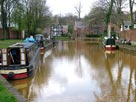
(109,13)
(79,10)
(119,6)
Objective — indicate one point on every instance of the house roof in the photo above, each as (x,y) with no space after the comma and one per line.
(127,23)
(65,26)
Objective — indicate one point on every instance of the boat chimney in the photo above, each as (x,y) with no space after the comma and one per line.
(109,30)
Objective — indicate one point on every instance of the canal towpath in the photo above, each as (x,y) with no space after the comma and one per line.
(127,48)
(19,97)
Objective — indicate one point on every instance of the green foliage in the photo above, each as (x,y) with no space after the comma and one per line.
(6,43)
(5,95)
(63,38)
(65,35)
(18,16)
(31,15)
(70,29)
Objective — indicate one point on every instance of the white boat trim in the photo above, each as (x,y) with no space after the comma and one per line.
(14,71)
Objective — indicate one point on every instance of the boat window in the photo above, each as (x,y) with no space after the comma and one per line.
(14,55)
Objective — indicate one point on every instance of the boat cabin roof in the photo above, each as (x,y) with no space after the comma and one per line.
(39,35)
(22,45)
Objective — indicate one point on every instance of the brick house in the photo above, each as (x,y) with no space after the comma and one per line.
(80,29)
(96,29)
(65,29)
(127,25)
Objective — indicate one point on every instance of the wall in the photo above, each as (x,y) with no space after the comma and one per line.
(13,34)
(128,35)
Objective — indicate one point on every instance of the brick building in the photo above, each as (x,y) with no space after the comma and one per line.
(13,34)
(80,29)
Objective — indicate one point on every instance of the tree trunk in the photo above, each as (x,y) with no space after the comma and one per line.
(109,14)
(4,20)
(131,11)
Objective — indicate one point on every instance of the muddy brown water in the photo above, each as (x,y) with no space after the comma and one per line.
(81,71)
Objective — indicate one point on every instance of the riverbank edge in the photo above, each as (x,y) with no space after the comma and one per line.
(127,48)
(19,97)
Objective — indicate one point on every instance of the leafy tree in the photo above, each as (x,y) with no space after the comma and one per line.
(31,15)
(7,7)
(70,29)
(18,17)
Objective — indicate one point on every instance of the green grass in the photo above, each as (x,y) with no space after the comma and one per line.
(6,43)
(63,38)
(5,95)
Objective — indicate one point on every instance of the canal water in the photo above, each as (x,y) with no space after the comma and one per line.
(81,71)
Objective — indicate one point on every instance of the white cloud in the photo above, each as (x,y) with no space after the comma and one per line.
(64,7)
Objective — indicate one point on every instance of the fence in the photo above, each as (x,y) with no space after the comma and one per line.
(128,35)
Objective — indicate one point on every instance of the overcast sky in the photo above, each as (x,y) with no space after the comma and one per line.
(63,7)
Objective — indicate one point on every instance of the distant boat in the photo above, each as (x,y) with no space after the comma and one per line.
(109,43)
(19,60)
(43,43)
(40,39)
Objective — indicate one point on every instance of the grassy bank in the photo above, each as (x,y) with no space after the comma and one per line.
(5,95)
(6,43)
(63,38)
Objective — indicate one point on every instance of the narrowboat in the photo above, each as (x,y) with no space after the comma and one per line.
(40,39)
(109,43)
(19,60)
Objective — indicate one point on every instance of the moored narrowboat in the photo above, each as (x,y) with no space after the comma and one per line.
(109,44)
(19,60)
(40,39)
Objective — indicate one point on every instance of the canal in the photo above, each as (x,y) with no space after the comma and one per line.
(81,71)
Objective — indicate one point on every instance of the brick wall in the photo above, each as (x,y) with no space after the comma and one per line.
(13,34)
(128,35)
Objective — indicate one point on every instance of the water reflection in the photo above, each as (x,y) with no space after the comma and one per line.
(81,71)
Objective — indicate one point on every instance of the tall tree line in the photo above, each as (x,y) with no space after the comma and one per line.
(111,11)
(27,15)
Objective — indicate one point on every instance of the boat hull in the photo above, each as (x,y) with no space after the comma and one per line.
(110,47)
(19,72)
(15,76)
(42,50)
